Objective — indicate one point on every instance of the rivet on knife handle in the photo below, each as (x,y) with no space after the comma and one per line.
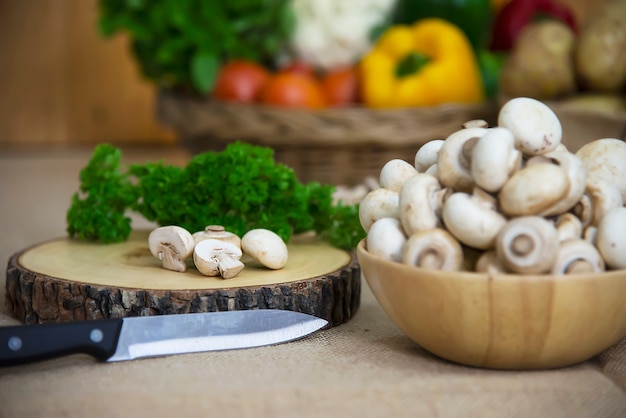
(26,344)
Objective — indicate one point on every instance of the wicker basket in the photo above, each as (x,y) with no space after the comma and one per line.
(340,146)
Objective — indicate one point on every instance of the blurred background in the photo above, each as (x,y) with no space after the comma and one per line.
(62,83)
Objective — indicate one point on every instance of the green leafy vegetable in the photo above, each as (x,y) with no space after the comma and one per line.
(180,43)
(241,188)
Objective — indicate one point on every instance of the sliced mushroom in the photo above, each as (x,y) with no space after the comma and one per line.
(420,203)
(535,126)
(528,245)
(394,173)
(533,190)
(454,159)
(266,247)
(577,256)
(426,155)
(378,204)
(213,257)
(172,245)
(217,232)
(494,159)
(473,219)
(569,227)
(386,239)
(433,249)
(611,238)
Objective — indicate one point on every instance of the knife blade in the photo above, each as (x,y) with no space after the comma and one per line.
(152,336)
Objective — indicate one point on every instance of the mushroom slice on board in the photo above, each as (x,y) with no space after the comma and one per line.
(213,257)
(528,245)
(433,249)
(577,256)
(172,245)
(266,247)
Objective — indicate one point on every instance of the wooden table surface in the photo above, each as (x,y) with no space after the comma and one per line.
(364,368)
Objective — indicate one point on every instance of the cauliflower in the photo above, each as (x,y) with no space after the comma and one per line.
(332,33)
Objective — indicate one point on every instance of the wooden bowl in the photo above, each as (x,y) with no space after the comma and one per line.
(501,321)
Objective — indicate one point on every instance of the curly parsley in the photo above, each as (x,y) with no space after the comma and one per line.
(241,188)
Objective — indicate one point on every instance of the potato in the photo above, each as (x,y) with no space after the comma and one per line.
(600,52)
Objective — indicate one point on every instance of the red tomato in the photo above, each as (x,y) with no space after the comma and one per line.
(341,86)
(294,90)
(299,67)
(240,81)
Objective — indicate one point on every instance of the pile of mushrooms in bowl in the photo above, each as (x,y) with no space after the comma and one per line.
(499,247)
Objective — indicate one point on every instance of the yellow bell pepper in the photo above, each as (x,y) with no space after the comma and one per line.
(426,64)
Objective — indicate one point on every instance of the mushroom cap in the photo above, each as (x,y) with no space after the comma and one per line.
(577,256)
(611,238)
(605,159)
(434,249)
(426,155)
(535,126)
(386,239)
(473,219)
(533,190)
(394,173)
(418,203)
(217,232)
(489,263)
(454,159)
(377,204)
(494,159)
(576,177)
(603,196)
(266,247)
(171,244)
(528,245)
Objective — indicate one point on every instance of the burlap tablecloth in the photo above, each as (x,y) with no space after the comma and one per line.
(364,368)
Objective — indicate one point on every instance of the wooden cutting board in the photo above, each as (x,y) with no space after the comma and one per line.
(67,279)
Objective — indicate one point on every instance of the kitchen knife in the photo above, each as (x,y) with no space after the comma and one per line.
(151,336)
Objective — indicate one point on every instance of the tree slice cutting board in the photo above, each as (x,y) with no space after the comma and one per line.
(67,279)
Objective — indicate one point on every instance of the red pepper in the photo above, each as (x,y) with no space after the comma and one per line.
(518,13)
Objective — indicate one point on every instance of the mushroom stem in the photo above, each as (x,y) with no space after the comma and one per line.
(528,245)
(569,227)
(577,256)
(433,249)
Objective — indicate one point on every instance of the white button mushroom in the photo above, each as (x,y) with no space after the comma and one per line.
(394,173)
(266,247)
(217,232)
(454,159)
(568,226)
(494,159)
(489,263)
(473,219)
(386,239)
(576,174)
(213,257)
(611,238)
(377,204)
(604,160)
(433,249)
(420,203)
(172,245)
(603,197)
(577,256)
(535,126)
(426,155)
(528,245)
(533,190)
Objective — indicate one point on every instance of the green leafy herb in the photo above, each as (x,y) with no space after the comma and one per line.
(180,43)
(241,188)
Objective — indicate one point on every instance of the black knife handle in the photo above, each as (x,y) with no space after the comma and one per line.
(30,343)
